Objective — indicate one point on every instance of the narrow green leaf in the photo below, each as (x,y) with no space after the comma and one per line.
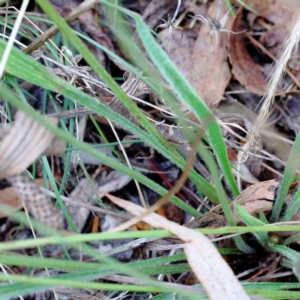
(189,97)
(288,177)
(285,251)
(247,6)
(292,208)
(292,239)
(40,284)
(203,152)
(97,154)
(58,197)
(149,267)
(249,220)
(263,237)
(24,67)
(131,106)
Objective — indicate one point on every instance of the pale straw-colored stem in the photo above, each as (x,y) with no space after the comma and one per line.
(275,79)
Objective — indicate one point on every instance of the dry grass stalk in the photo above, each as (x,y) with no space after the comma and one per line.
(284,56)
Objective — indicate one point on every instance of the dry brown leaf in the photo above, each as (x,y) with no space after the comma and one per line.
(204,259)
(157,9)
(255,199)
(26,141)
(210,73)
(280,14)
(245,70)
(142,226)
(181,49)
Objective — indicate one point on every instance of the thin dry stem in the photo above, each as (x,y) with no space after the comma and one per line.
(276,78)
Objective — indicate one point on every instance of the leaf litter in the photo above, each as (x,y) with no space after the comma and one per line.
(226,65)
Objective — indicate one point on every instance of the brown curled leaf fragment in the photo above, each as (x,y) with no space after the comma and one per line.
(255,199)
(245,70)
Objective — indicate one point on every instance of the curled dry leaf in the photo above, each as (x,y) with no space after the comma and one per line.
(204,259)
(245,70)
(210,73)
(26,141)
(255,199)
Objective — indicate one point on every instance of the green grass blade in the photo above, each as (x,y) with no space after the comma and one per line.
(249,220)
(204,153)
(131,106)
(262,237)
(58,197)
(102,73)
(41,283)
(97,154)
(285,251)
(292,239)
(288,178)
(90,252)
(26,68)
(150,267)
(188,95)
(246,6)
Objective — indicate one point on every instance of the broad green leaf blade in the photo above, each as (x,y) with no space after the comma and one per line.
(189,97)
